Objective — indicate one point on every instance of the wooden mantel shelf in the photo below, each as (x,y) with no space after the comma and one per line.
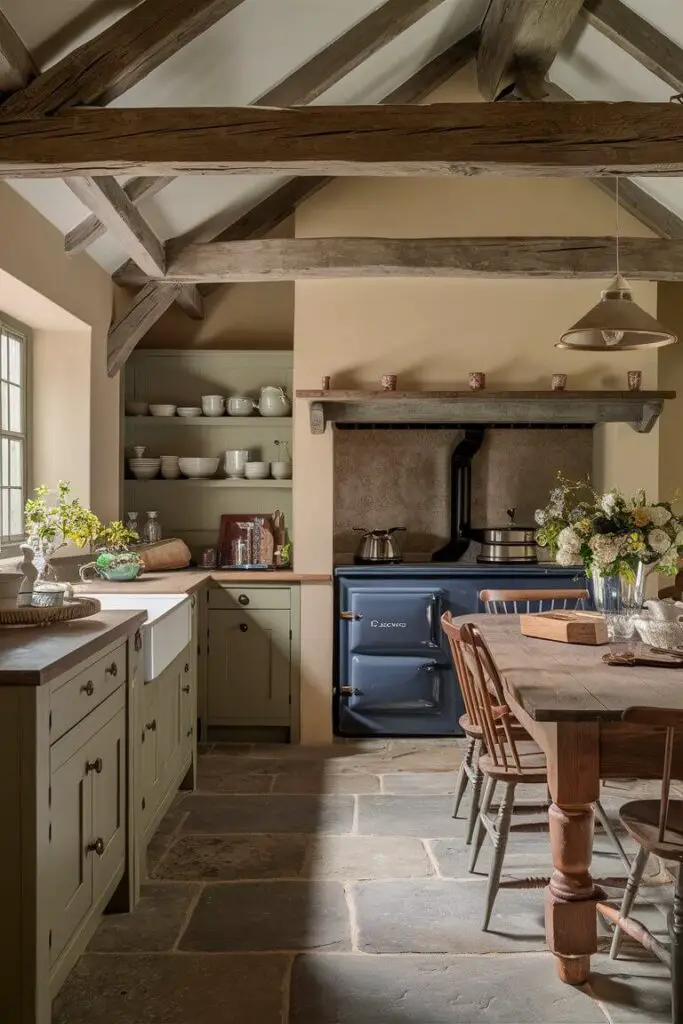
(640,409)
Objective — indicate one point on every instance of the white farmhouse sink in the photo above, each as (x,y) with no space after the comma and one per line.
(165,632)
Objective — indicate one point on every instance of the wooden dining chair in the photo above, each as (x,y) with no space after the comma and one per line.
(508,759)
(517,602)
(657,827)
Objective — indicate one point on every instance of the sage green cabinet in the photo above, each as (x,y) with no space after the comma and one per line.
(250,656)
(106,767)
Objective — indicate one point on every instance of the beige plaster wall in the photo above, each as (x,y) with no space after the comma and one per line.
(432,332)
(32,253)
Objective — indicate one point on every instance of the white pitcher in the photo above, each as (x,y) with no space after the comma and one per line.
(274,402)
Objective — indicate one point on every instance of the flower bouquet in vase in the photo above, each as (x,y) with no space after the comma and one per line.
(618,540)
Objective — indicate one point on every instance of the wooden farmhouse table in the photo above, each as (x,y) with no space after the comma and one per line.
(571,704)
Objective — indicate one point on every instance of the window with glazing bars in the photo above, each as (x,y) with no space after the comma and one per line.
(13,442)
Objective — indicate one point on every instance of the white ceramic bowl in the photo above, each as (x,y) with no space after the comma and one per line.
(137,408)
(145,469)
(144,463)
(189,411)
(145,474)
(257,470)
(170,472)
(213,405)
(162,410)
(281,470)
(198,468)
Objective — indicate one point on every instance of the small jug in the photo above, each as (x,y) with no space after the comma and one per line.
(274,401)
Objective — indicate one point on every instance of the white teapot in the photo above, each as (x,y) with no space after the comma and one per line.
(274,401)
(666,610)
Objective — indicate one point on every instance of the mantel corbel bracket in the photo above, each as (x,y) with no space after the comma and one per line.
(317,417)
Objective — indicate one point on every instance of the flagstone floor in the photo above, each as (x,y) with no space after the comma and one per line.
(330,886)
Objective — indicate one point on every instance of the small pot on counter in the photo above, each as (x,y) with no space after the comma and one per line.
(507,544)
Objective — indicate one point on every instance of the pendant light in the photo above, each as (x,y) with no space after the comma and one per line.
(616,323)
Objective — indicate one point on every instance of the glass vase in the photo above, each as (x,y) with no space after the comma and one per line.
(616,595)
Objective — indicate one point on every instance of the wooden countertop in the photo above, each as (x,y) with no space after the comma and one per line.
(31,656)
(187,581)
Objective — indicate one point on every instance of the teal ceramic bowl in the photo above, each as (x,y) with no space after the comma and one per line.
(120,573)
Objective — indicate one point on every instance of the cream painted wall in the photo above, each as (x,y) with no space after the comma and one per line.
(32,252)
(670,313)
(432,332)
(61,444)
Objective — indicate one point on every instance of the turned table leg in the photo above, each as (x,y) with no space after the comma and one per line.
(570,916)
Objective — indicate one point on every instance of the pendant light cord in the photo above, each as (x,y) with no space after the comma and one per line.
(616,192)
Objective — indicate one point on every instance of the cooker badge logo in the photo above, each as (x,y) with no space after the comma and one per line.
(382,624)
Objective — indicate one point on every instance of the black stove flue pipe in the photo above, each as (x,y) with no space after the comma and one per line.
(461,496)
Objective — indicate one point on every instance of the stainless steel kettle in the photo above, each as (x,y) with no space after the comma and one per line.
(378,547)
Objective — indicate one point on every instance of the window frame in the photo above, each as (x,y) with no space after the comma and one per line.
(10,546)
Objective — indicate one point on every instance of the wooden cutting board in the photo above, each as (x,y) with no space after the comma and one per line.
(587,628)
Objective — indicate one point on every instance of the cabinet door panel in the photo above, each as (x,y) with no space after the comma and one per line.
(70,867)
(149,789)
(188,706)
(168,722)
(107,752)
(249,666)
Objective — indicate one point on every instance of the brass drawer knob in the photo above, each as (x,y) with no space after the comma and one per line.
(186,689)
(88,688)
(151,726)
(97,846)
(138,640)
(244,627)
(94,766)
(243,600)
(112,670)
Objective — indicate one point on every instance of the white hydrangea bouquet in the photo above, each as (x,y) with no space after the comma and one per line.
(609,533)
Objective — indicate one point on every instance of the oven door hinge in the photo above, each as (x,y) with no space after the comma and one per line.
(350,616)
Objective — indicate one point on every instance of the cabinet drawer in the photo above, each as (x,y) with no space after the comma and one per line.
(77,697)
(239,598)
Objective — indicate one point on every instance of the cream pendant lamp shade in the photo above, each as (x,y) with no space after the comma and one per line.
(616,323)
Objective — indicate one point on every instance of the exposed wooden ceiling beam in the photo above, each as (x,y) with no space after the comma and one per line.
(623,26)
(91,228)
(125,333)
(632,197)
(558,140)
(17,67)
(281,204)
(519,40)
(319,73)
(651,259)
(115,60)
(109,202)
(191,300)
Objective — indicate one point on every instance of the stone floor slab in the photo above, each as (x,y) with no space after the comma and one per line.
(325,782)
(365,857)
(427,816)
(340,989)
(632,991)
(224,858)
(154,925)
(211,781)
(173,989)
(428,783)
(268,814)
(441,916)
(278,916)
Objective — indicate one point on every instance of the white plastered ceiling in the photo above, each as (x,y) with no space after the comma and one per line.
(263,41)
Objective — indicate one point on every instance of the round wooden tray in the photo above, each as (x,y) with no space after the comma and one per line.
(79,608)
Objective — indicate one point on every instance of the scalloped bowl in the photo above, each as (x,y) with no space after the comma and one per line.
(198,468)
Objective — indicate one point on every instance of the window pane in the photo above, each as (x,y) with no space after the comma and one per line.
(4,406)
(4,462)
(16,517)
(16,474)
(4,358)
(4,512)
(15,360)
(15,408)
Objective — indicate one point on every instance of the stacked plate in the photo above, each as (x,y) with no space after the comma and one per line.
(144,469)
(170,469)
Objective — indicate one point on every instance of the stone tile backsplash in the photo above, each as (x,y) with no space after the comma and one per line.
(388,478)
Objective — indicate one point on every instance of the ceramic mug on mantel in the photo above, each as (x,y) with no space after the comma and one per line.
(388,381)
(559,381)
(477,381)
(635,379)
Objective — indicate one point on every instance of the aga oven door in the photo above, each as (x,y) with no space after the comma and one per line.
(401,618)
(396,695)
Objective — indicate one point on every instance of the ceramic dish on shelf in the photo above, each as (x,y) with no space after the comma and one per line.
(144,469)
(189,411)
(170,470)
(162,410)
(137,408)
(281,470)
(257,470)
(198,468)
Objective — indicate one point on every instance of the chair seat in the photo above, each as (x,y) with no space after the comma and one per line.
(641,819)
(532,760)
